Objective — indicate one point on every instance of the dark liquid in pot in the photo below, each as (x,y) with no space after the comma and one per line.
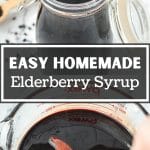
(81,130)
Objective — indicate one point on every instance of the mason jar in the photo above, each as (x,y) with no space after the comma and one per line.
(92,21)
(74,21)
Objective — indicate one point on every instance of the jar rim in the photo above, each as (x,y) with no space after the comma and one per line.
(74,9)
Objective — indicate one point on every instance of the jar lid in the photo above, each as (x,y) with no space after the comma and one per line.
(130,20)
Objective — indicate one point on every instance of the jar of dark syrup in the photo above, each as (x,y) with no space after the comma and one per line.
(74,21)
(92,21)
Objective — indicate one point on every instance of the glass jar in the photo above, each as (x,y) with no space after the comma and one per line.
(92,21)
(62,21)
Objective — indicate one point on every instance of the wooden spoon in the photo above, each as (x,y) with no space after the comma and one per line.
(7,6)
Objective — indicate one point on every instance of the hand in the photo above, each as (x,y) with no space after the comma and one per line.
(58,144)
(141,139)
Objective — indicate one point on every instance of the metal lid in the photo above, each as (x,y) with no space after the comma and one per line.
(131,25)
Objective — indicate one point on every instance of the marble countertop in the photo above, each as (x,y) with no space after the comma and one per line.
(20,27)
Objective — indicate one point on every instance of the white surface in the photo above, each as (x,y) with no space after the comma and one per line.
(10,30)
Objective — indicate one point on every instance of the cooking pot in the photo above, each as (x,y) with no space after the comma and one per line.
(81,126)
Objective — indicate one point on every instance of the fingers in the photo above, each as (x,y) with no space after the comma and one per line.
(141,139)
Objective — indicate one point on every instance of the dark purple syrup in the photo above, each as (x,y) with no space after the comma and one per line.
(73,1)
(56,28)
